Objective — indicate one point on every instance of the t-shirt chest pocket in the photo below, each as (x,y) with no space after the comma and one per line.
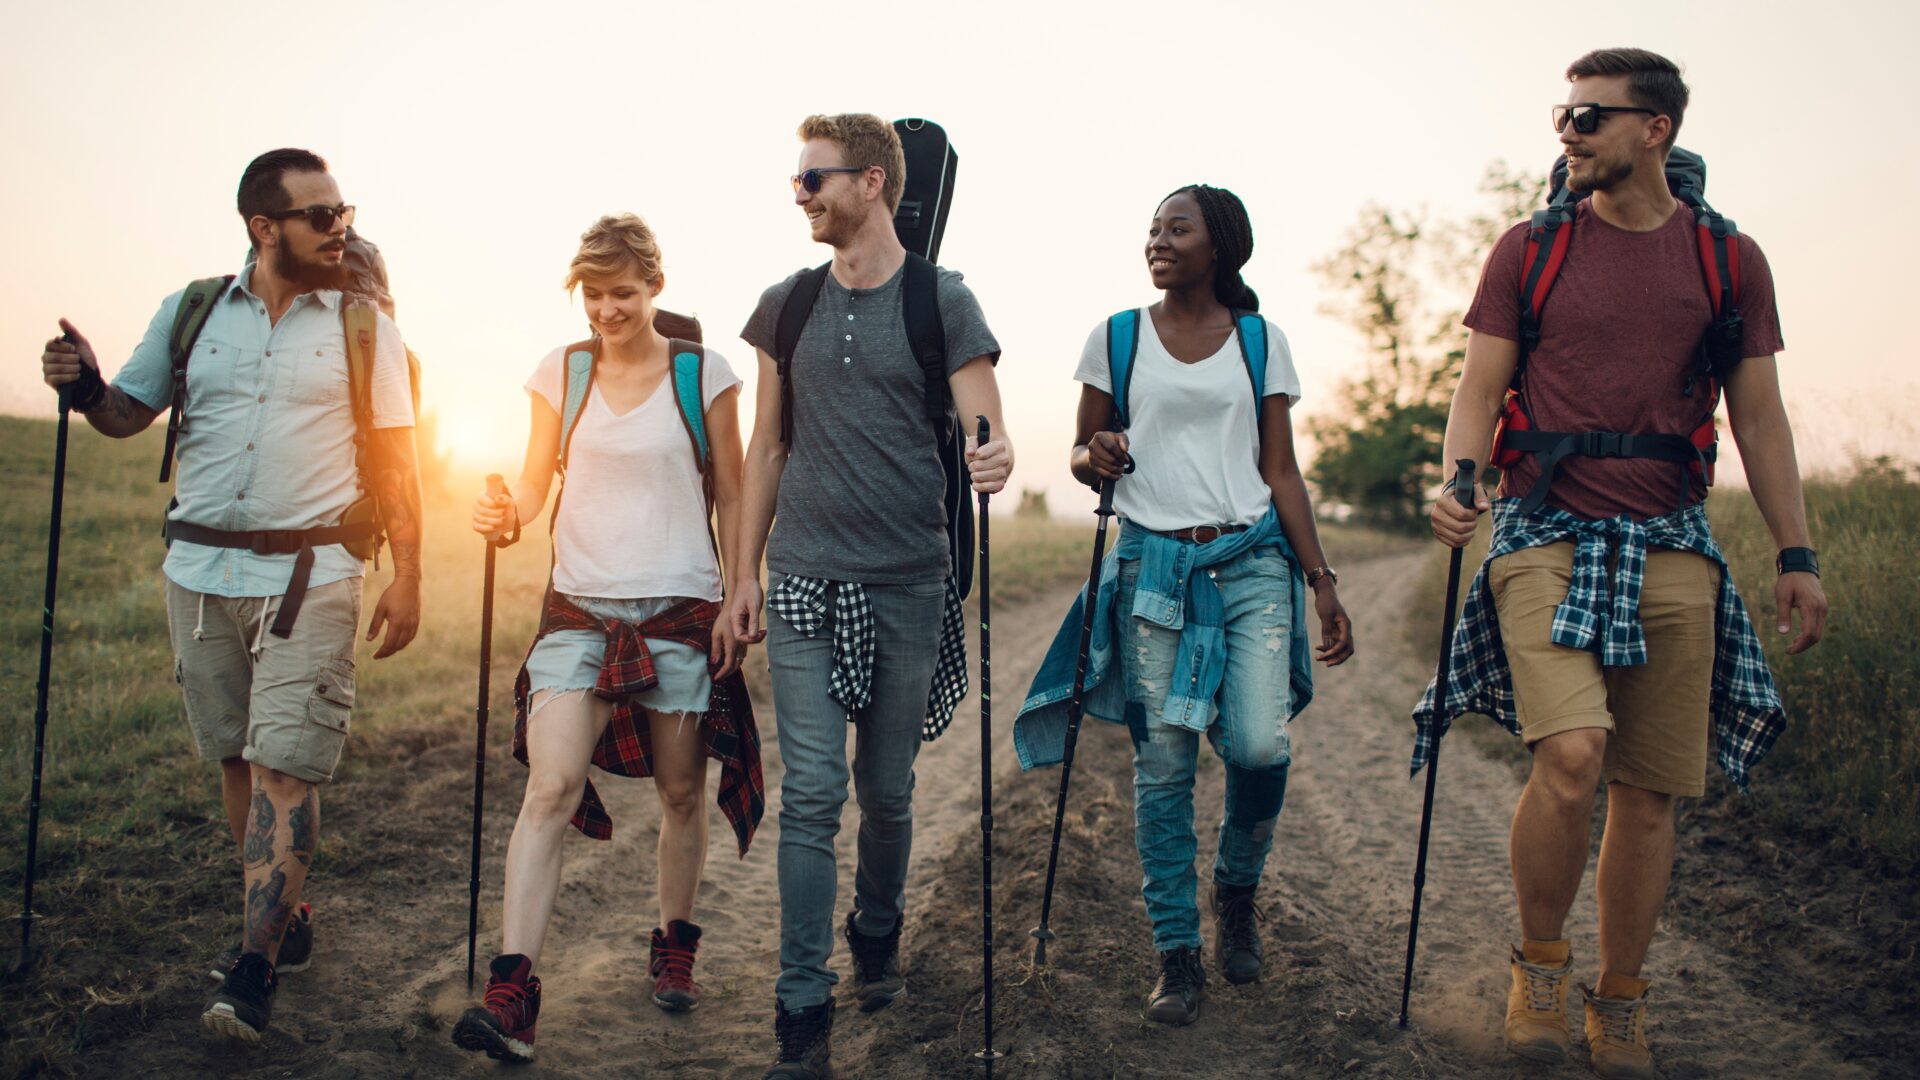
(319,375)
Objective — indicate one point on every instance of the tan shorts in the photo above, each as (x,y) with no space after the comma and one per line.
(1656,711)
(278,702)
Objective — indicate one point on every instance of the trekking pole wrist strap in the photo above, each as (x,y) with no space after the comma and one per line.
(84,394)
(1796,560)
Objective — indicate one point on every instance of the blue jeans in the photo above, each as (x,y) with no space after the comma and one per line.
(1249,733)
(813,749)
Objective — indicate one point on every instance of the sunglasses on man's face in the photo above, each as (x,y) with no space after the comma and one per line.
(1586,116)
(813,178)
(319,217)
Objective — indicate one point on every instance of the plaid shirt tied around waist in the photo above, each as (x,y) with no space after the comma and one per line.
(727,730)
(1601,614)
(802,602)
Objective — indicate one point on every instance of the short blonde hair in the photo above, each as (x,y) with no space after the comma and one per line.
(615,244)
(865,141)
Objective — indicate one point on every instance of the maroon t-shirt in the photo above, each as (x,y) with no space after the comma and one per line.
(1619,336)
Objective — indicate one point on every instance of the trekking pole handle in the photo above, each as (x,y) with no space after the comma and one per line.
(1463,491)
(496,487)
(983,431)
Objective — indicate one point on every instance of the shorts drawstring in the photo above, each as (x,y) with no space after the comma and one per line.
(200,620)
(260,635)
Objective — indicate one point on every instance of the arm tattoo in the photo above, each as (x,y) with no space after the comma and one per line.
(267,913)
(300,824)
(396,483)
(259,845)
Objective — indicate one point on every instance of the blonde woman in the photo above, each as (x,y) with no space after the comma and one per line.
(631,670)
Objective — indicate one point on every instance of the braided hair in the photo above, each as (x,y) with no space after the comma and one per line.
(1232,233)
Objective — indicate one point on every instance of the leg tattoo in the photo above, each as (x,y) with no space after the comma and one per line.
(300,823)
(259,846)
(267,913)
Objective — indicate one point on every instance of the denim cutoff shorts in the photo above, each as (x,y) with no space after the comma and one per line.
(571,659)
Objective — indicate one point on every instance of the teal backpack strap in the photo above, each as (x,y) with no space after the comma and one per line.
(579,382)
(689,364)
(1253,350)
(1123,344)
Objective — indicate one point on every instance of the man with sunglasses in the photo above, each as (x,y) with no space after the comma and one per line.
(860,607)
(1602,628)
(263,598)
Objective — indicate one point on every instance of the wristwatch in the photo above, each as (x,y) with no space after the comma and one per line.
(1796,560)
(1314,575)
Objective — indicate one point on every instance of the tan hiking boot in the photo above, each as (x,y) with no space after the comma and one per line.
(1536,1027)
(1617,1028)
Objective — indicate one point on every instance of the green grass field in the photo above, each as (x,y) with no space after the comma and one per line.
(1849,764)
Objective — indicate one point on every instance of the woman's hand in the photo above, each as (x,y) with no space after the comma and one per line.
(1107,453)
(495,515)
(727,651)
(1336,629)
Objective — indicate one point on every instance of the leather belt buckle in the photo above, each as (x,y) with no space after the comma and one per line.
(1215,529)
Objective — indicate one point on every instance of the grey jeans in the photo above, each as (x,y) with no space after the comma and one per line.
(813,748)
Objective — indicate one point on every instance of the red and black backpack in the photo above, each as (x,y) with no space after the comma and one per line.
(1549,235)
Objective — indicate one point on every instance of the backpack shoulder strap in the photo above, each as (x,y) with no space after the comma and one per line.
(1252,327)
(360,322)
(786,338)
(1719,244)
(1123,346)
(1549,234)
(920,307)
(579,369)
(689,373)
(189,318)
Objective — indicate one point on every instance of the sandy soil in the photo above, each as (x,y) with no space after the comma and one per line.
(1735,994)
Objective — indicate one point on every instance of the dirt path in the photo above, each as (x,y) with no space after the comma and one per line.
(389,977)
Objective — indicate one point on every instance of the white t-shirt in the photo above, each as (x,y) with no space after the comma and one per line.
(1195,436)
(633,524)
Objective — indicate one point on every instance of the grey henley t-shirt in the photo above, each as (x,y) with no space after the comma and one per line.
(861,496)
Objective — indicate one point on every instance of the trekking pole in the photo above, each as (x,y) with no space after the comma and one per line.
(1463,492)
(989,1055)
(1043,933)
(496,486)
(46,672)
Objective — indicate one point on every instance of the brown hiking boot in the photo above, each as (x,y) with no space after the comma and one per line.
(1536,1027)
(1617,1028)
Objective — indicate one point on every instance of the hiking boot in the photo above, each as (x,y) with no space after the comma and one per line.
(1617,1028)
(671,965)
(1536,1027)
(1176,997)
(296,948)
(245,1002)
(803,1035)
(503,1026)
(1236,943)
(876,966)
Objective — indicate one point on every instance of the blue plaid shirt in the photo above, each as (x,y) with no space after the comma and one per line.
(1602,614)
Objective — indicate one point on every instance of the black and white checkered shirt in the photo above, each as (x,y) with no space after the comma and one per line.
(802,602)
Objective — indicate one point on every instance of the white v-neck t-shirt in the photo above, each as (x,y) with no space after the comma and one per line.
(1195,435)
(633,524)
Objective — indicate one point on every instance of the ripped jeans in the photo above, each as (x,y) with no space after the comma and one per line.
(1249,733)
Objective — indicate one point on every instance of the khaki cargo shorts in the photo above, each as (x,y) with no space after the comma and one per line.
(278,702)
(1657,712)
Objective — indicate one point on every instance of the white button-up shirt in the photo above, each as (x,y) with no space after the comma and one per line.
(266,441)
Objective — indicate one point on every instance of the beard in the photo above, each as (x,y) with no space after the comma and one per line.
(1601,176)
(844,223)
(308,275)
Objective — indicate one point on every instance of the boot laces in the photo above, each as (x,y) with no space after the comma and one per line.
(873,953)
(1543,986)
(1179,971)
(1617,1018)
(1238,918)
(509,1001)
(799,1031)
(673,966)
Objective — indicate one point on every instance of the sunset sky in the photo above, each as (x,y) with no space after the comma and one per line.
(479,139)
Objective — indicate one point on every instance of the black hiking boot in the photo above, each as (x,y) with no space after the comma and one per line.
(876,966)
(296,948)
(1236,943)
(803,1035)
(1176,997)
(245,1002)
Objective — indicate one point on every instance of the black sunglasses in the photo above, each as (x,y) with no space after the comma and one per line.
(1586,116)
(813,178)
(320,217)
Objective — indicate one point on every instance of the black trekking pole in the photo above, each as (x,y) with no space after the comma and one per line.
(1043,933)
(495,486)
(989,1055)
(46,671)
(1463,493)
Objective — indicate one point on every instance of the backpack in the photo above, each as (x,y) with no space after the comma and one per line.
(1123,345)
(359,323)
(1549,235)
(920,305)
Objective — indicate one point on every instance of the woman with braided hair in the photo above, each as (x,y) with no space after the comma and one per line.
(1200,613)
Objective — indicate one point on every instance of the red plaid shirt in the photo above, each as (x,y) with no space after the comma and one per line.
(626,747)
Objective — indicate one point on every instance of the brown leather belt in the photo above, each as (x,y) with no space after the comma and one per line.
(1204,534)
